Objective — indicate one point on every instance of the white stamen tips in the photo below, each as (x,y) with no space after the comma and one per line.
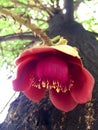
(43,84)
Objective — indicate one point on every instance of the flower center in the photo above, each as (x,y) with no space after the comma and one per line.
(52,73)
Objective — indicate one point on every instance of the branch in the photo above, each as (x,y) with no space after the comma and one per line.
(37,5)
(20,36)
(29,25)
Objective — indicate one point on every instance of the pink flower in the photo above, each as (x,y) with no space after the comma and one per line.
(57,69)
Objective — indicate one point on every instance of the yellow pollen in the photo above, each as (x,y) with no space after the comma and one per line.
(39,87)
(57,90)
(56,85)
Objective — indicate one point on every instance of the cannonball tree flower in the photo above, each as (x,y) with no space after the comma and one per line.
(56,69)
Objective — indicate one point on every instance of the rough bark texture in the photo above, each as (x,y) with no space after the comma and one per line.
(23,114)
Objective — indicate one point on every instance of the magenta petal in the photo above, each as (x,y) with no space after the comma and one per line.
(82,91)
(62,101)
(35,94)
(52,68)
(33,53)
(24,76)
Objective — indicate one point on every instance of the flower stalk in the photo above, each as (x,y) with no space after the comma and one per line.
(46,40)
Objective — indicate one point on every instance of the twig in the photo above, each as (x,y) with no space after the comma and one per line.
(46,40)
(40,7)
(20,36)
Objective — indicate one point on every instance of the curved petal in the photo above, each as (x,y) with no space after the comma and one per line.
(67,49)
(52,68)
(82,90)
(24,76)
(68,58)
(35,94)
(62,101)
(19,60)
(60,50)
(33,53)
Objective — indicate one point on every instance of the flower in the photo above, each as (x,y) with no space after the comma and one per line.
(57,69)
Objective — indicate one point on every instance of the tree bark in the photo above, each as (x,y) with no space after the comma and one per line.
(24,114)
(69,7)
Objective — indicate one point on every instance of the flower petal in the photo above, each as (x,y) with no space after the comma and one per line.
(33,53)
(52,68)
(67,49)
(82,90)
(62,101)
(24,76)
(60,50)
(35,94)
(68,58)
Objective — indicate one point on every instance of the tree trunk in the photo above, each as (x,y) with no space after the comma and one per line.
(24,114)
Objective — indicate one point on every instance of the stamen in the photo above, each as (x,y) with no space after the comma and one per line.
(65,90)
(38,83)
(57,90)
(71,84)
(39,87)
(43,84)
